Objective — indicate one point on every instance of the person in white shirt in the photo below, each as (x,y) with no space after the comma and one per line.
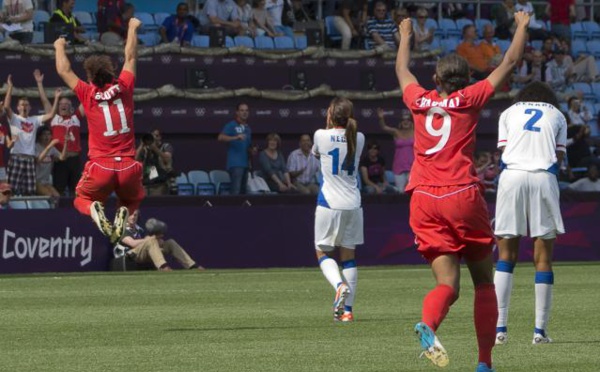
(303,167)
(532,135)
(23,128)
(339,215)
(19,15)
(278,9)
(537,30)
(578,113)
(591,183)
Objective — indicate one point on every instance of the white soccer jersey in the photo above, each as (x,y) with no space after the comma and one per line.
(26,130)
(339,188)
(531,133)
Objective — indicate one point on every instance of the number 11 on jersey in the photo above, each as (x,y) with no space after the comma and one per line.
(110,130)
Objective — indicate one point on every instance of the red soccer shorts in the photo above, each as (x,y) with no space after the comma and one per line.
(102,176)
(451,220)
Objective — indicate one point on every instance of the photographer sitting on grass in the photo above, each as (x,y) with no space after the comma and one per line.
(155,176)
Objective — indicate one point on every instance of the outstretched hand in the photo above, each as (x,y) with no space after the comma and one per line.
(39,77)
(134,23)
(60,42)
(9,81)
(380,113)
(406,27)
(522,19)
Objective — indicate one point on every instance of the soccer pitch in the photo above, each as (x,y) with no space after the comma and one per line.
(275,320)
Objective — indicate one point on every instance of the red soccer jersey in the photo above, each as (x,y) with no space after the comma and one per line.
(60,125)
(445,134)
(109,112)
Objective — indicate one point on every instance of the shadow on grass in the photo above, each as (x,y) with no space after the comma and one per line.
(258,327)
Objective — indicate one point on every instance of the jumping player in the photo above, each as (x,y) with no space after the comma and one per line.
(532,135)
(447,211)
(108,104)
(339,216)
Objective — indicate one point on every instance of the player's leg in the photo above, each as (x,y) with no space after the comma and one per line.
(174,249)
(92,190)
(485,307)
(351,235)
(149,251)
(130,193)
(544,282)
(508,252)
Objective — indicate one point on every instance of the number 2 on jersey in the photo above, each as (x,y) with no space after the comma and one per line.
(110,131)
(335,166)
(537,115)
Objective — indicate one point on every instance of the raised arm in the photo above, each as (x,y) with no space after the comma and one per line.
(7,98)
(513,54)
(383,125)
(405,77)
(131,46)
(49,115)
(39,79)
(63,66)
(45,151)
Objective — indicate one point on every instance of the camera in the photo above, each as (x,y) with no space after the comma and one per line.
(148,139)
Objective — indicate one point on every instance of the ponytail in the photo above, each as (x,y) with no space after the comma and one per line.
(351,129)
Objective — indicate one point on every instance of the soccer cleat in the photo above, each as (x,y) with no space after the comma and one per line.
(539,338)
(99,218)
(119,225)
(347,317)
(341,295)
(501,338)
(482,367)
(432,348)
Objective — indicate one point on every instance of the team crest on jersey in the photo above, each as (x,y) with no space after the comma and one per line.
(27,127)
(371,62)
(331,62)
(200,111)
(366,113)
(166,59)
(157,111)
(250,61)
(284,113)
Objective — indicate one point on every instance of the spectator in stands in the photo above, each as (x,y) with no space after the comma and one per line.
(531,71)
(165,154)
(536,28)
(423,35)
(490,50)
(504,15)
(5,194)
(149,247)
(578,147)
(548,47)
(72,27)
(578,113)
(404,142)
(400,13)
(178,28)
(66,129)
(273,167)
(301,14)
(473,54)
(19,14)
(222,14)
(561,13)
(46,155)
(21,164)
(154,176)
(487,169)
(372,170)
(584,67)
(109,16)
(262,20)
(5,143)
(282,16)
(558,73)
(589,183)
(238,135)
(381,30)
(350,19)
(246,17)
(303,167)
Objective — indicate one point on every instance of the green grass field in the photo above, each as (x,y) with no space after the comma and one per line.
(275,320)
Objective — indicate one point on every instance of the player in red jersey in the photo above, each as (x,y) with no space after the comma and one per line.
(448,213)
(108,104)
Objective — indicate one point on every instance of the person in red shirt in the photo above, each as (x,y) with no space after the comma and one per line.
(448,213)
(561,13)
(108,104)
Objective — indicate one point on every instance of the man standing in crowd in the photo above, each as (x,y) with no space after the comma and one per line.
(239,137)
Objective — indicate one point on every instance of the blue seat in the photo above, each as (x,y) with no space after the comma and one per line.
(221,180)
(450,45)
(38,37)
(201,41)
(244,41)
(596,90)
(17,204)
(159,18)
(461,23)
(229,43)
(578,47)
(431,23)
(449,28)
(390,178)
(147,19)
(586,89)
(283,42)
(331,31)
(592,28)
(150,39)
(537,44)
(264,42)
(578,31)
(480,24)
(184,187)
(201,181)
(40,18)
(38,204)
(593,47)
(301,42)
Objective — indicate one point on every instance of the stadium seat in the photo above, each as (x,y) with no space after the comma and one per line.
(244,41)
(331,31)
(390,178)
(38,37)
(596,90)
(184,187)
(301,42)
(201,181)
(40,18)
(480,24)
(537,44)
(148,24)
(85,18)
(229,43)
(431,23)
(283,42)
(221,180)
(578,32)
(450,45)
(17,204)
(592,28)
(564,107)
(264,42)
(38,204)
(578,47)
(503,44)
(586,89)
(159,18)
(590,107)
(149,39)
(436,43)
(593,48)
(201,41)
(462,22)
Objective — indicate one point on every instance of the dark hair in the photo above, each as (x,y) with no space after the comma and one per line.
(128,6)
(341,114)
(182,4)
(99,70)
(22,99)
(465,28)
(372,145)
(240,104)
(571,99)
(147,139)
(453,73)
(41,130)
(537,91)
